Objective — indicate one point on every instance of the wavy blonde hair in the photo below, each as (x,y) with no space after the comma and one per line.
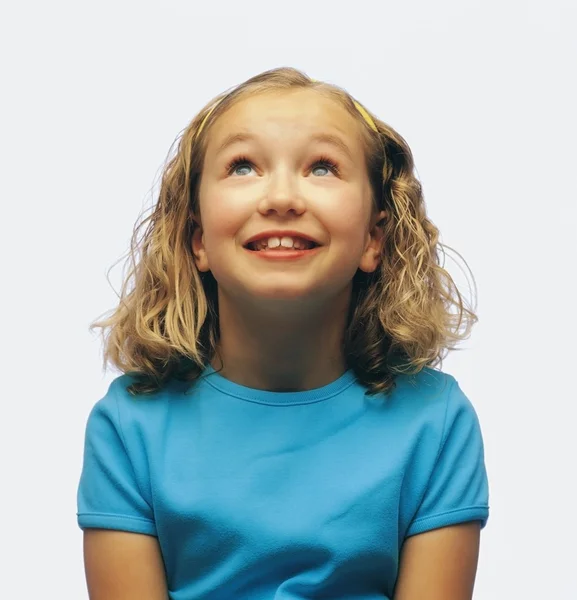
(403,317)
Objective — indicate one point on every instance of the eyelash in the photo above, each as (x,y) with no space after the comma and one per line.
(321,160)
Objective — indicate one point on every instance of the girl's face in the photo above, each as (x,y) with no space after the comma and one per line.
(279,162)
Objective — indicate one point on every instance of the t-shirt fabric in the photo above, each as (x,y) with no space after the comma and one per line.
(263,495)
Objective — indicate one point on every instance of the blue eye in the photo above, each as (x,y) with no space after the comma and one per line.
(243,161)
(323,161)
(320,166)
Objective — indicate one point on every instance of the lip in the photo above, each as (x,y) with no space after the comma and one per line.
(264,235)
(284,254)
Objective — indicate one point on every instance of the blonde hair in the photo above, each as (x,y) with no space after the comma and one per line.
(401,318)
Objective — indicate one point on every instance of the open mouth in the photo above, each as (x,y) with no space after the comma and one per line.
(279,244)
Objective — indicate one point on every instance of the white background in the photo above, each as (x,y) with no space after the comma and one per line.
(93,97)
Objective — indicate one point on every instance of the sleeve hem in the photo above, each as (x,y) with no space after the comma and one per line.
(453,517)
(118,522)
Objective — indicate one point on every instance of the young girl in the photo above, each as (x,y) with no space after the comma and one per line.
(279,431)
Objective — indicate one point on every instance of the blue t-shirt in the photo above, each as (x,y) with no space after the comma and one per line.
(262,495)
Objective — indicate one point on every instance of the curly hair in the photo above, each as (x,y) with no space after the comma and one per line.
(404,316)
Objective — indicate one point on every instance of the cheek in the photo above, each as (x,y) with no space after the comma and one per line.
(222,218)
(349,227)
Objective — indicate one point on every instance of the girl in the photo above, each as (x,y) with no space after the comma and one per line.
(279,431)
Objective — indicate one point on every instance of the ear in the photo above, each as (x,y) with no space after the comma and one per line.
(371,256)
(198,250)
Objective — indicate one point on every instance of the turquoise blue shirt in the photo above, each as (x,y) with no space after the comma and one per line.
(263,495)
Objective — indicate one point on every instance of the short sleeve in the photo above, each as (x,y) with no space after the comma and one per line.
(457,490)
(108,495)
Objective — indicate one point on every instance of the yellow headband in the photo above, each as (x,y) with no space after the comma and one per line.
(366,116)
(363,112)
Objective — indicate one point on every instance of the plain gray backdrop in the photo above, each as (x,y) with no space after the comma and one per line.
(93,96)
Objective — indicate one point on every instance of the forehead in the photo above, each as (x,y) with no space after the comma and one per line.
(283,114)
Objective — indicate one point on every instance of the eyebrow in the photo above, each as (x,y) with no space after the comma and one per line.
(327,138)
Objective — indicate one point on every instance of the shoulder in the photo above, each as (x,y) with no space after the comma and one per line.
(428,393)
(445,479)
(128,412)
(433,387)
(433,406)
(428,385)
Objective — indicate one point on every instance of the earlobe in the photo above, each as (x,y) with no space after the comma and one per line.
(198,250)
(372,254)
(370,261)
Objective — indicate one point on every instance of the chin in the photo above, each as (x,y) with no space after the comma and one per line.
(282,293)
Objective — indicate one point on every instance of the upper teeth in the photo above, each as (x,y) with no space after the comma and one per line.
(285,242)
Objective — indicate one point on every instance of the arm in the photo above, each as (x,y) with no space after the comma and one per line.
(438,560)
(122,557)
(123,566)
(440,564)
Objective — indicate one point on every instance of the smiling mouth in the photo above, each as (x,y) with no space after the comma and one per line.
(285,244)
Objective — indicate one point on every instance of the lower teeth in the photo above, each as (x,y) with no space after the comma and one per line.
(293,248)
(280,248)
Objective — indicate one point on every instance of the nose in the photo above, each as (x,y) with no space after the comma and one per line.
(282,195)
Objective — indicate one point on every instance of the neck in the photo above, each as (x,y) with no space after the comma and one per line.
(282,348)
